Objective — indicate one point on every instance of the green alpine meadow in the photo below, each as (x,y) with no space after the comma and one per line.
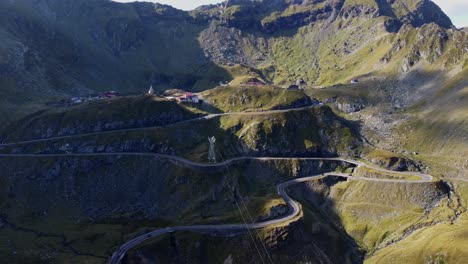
(240,132)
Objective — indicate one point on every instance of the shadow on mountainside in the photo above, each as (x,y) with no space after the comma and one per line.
(313,132)
(73,48)
(399,91)
(310,239)
(129,112)
(104,201)
(314,197)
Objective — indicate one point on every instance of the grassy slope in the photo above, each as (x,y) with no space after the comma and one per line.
(442,243)
(424,129)
(144,44)
(252,98)
(440,121)
(316,131)
(437,130)
(123,112)
(374,219)
(297,243)
(377,214)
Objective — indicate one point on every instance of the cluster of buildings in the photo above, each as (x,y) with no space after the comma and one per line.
(189,98)
(186,97)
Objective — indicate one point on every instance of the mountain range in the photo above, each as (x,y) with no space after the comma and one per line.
(66,48)
(374,92)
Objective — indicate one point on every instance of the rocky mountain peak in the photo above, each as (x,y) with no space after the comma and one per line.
(276,15)
(70,45)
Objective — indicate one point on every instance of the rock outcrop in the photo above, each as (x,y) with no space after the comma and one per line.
(286,40)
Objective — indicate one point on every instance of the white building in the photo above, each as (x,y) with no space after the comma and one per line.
(151,90)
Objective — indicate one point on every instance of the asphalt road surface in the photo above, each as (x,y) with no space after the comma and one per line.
(294,211)
(294,206)
(281,188)
(211,116)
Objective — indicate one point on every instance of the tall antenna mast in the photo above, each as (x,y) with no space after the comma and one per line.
(211,152)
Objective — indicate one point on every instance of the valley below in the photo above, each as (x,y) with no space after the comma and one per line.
(285,131)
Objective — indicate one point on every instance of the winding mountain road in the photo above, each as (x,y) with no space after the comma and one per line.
(281,188)
(293,205)
(192,164)
(206,117)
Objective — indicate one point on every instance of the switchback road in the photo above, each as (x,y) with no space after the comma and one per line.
(294,211)
(281,188)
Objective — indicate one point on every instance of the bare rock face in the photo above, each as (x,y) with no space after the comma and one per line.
(359,11)
(347,104)
(295,20)
(397,164)
(276,212)
(66,48)
(350,107)
(428,12)
(124,35)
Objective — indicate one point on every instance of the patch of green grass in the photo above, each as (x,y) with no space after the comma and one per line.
(373,173)
(441,243)
(252,98)
(291,11)
(374,218)
(311,130)
(370,3)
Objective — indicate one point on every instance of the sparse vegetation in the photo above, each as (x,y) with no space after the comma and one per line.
(255,98)
(406,109)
